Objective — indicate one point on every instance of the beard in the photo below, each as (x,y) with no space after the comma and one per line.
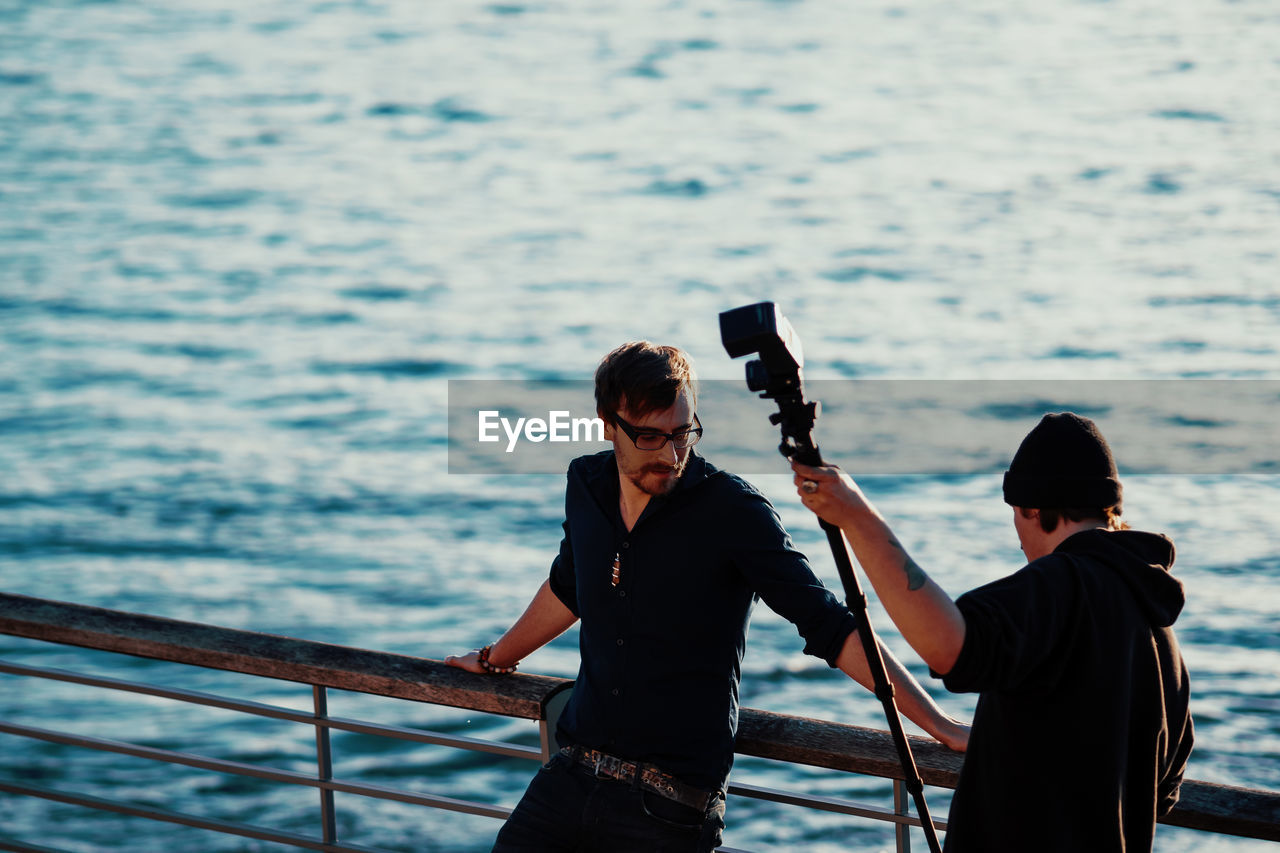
(658,480)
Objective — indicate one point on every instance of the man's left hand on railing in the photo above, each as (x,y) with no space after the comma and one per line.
(483,661)
(953,735)
(470,661)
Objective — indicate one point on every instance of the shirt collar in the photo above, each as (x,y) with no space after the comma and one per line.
(601,478)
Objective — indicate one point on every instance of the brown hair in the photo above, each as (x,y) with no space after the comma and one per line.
(1052,516)
(643,378)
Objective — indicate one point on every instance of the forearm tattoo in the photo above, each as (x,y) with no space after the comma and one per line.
(916,577)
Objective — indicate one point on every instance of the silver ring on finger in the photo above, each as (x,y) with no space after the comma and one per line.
(809,487)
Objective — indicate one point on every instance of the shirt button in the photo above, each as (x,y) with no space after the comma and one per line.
(622,593)
(620,641)
(614,691)
(626,545)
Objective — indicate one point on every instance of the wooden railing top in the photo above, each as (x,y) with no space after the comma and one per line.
(1216,808)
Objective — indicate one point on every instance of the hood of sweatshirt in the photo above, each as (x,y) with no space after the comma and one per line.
(1142,560)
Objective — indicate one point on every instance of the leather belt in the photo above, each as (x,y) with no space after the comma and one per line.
(651,778)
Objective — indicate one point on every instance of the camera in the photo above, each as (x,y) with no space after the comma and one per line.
(776,374)
(762,329)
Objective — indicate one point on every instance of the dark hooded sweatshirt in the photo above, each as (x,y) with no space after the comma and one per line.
(1083,730)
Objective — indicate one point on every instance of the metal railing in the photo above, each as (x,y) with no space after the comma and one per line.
(1205,806)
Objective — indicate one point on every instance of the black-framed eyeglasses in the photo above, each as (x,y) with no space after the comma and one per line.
(652,440)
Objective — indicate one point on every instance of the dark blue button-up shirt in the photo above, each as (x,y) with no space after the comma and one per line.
(662,650)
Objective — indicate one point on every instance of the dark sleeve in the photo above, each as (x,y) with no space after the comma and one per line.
(781,576)
(1181,739)
(1171,785)
(564,578)
(1015,630)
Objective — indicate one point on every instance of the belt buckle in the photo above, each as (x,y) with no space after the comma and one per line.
(664,785)
(602,760)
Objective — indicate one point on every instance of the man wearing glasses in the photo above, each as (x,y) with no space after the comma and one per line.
(662,560)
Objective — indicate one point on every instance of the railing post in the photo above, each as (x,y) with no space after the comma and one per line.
(902,831)
(552,705)
(324,762)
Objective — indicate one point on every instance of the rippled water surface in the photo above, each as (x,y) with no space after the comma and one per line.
(244,246)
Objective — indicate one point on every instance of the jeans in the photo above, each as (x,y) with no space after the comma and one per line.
(566,808)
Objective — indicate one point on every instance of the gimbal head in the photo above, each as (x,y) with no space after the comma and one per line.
(776,374)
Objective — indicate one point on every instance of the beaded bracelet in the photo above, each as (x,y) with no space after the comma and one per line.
(493,669)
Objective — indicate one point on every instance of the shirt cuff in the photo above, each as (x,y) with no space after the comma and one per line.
(829,642)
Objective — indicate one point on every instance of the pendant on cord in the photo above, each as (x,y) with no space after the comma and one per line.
(617,570)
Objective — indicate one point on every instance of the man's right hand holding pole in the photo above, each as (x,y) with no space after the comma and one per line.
(927,617)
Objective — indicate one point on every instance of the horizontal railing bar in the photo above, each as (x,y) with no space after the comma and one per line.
(839,746)
(1227,810)
(166,756)
(276,712)
(11,846)
(242,830)
(827,804)
(433,801)
(238,768)
(273,656)
(492,747)
(1246,812)
(381,792)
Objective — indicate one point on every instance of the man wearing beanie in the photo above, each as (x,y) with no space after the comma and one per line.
(1082,730)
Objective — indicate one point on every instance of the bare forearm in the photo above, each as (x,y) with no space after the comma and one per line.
(543,620)
(910,696)
(923,612)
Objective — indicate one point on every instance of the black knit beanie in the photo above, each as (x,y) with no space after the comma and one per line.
(1063,463)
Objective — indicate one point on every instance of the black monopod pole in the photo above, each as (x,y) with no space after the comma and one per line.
(761,328)
(806,452)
